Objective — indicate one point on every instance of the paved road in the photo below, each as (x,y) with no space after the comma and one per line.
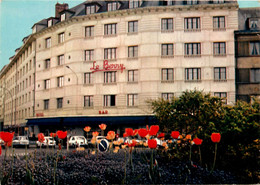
(21,151)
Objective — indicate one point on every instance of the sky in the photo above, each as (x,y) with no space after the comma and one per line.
(18,16)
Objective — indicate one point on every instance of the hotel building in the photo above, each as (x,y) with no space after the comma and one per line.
(100,62)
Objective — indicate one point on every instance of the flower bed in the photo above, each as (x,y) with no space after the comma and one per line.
(108,168)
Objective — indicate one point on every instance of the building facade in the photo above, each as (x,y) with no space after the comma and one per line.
(102,61)
(248,55)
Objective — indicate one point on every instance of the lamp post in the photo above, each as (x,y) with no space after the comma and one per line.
(76,100)
(11,103)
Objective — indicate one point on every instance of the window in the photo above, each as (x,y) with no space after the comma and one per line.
(192,49)
(110,77)
(134,3)
(132,100)
(47,63)
(218,1)
(88,101)
(91,9)
(112,6)
(219,22)
(253,24)
(88,78)
(222,95)
(132,51)
(48,42)
(110,29)
(109,100)
(60,81)
(63,17)
(219,48)
(167,49)
(167,96)
(191,2)
(219,73)
(192,74)
(110,53)
(132,26)
(59,103)
(47,84)
(132,76)
(167,24)
(50,23)
(167,74)
(255,75)
(61,37)
(254,48)
(89,31)
(168,2)
(46,104)
(89,55)
(192,24)
(60,60)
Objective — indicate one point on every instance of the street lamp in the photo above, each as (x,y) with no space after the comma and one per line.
(74,73)
(76,100)
(11,103)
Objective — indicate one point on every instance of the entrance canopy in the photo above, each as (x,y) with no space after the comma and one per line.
(91,121)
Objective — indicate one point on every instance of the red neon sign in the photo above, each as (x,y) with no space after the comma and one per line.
(107,67)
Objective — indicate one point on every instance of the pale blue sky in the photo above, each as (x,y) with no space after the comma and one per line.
(18,16)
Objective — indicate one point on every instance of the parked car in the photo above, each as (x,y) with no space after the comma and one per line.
(48,141)
(1,142)
(21,141)
(77,141)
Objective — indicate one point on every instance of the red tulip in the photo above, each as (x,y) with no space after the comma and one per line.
(41,137)
(215,137)
(7,137)
(61,134)
(53,134)
(125,135)
(95,134)
(197,141)
(153,130)
(87,129)
(132,143)
(111,135)
(135,131)
(161,135)
(152,143)
(142,132)
(102,126)
(129,132)
(175,134)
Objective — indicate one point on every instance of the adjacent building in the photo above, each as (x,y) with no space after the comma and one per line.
(248,54)
(101,61)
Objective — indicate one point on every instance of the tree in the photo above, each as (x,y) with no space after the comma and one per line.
(200,114)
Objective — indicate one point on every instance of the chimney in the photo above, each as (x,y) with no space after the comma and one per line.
(59,8)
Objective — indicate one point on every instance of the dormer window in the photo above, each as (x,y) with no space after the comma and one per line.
(192,2)
(63,17)
(218,1)
(50,23)
(134,3)
(253,23)
(91,9)
(112,6)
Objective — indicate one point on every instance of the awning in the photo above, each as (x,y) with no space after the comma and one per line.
(90,121)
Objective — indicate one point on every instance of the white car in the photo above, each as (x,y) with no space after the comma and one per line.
(78,141)
(21,141)
(48,141)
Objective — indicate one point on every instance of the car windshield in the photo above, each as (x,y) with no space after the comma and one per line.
(82,138)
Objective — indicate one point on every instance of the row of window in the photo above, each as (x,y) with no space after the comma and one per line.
(110,100)
(167,74)
(114,5)
(190,24)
